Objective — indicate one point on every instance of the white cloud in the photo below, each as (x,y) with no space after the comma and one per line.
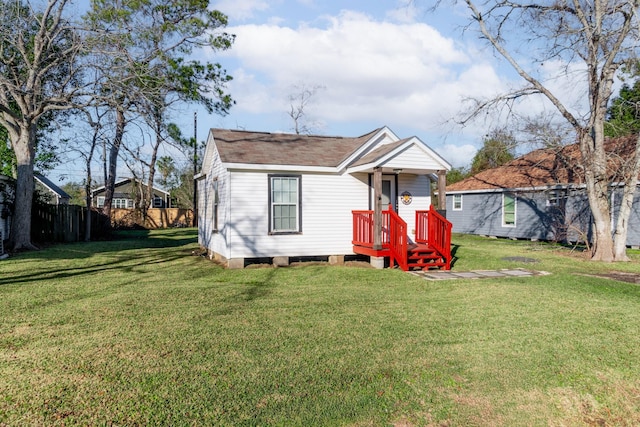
(458,155)
(366,66)
(404,75)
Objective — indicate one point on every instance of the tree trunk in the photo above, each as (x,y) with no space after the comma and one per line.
(113,162)
(23,146)
(626,205)
(148,197)
(87,190)
(594,160)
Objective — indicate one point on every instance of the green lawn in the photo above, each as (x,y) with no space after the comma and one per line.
(139,331)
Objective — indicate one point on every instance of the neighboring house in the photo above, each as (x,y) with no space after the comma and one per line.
(268,195)
(51,192)
(539,196)
(5,209)
(127,195)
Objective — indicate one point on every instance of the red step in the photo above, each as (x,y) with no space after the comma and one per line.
(423,257)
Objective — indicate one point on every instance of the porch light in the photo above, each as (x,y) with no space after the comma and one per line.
(397,171)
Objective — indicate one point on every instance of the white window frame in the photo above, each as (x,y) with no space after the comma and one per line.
(100,201)
(515,209)
(157,201)
(555,197)
(120,203)
(216,202)
(298,205)
(454,202)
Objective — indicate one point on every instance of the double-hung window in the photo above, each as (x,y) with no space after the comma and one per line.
(508,210)
(556,198)
(120,203)
(284,204)
(457,202)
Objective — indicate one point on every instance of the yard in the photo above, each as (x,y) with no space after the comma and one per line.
(140,331)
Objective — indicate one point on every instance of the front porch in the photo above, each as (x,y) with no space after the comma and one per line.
(386,236)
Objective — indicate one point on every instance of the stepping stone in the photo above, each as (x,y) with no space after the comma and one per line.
(489,273)
(518,273)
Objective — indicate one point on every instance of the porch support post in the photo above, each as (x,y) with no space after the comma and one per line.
(377,208)
(442,195)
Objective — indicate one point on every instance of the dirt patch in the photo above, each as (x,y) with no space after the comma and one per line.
(620,276)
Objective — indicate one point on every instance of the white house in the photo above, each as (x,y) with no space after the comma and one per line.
(268,195)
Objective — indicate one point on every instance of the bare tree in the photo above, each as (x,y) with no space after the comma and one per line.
(298,106)
(600,36)
(83,146)
(39,74)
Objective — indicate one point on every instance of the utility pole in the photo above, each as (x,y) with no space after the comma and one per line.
(195,168)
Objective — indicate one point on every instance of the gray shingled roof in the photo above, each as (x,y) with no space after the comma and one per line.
(51,186)
(380,152)
(238,146)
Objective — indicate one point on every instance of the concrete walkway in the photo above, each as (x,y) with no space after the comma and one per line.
(478,274)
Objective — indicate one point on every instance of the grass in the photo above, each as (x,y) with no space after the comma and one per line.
(139,331)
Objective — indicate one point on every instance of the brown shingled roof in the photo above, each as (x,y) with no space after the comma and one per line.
(237,146)
(541,168)
(380,152)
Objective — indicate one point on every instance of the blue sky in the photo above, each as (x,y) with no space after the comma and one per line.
(375,63)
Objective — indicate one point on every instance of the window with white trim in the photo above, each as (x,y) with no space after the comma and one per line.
(157,202)
(284,204)
(508,210)
(100,201)
(216,201)
(556,197)
(120,203)
(457,202)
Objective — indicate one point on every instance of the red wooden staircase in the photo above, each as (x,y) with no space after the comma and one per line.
(432,247)
(422,256)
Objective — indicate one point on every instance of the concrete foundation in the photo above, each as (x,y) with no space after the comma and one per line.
(377,262)
(235,263)
(281,261)
(336,259)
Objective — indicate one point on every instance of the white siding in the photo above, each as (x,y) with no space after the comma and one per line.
(413,158)
(420,188)
(208,237)
(327,202)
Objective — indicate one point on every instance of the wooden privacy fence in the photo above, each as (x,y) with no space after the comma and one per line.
(156,218)
(65,223)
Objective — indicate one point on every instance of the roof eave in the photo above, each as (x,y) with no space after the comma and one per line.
(255,167)
(517,189)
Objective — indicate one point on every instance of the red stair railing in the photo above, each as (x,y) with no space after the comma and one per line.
(363,228)
(397,240)
(434,229)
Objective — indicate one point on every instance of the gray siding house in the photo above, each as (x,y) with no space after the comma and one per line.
(128,194)
(539,196)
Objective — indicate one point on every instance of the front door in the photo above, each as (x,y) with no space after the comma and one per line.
(388,193)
